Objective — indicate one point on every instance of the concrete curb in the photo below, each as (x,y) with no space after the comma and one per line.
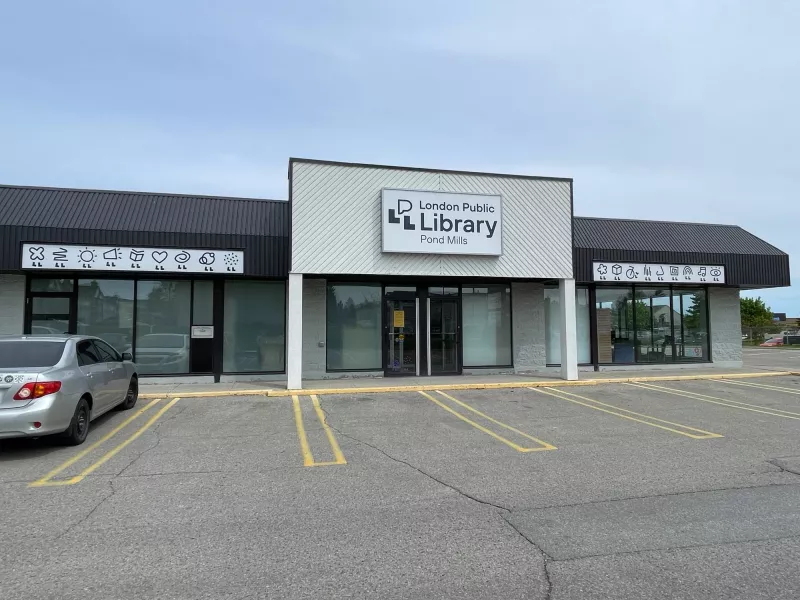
(462,386)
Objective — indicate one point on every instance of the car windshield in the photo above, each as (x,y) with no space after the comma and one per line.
(20,354)
(162,340)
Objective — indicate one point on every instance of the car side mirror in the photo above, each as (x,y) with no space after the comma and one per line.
(127,356)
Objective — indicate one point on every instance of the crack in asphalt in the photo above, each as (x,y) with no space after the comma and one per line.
(664,495)
(776,463)
(546,558)
(417,469)
(158,437)
(676,548)
(88,515)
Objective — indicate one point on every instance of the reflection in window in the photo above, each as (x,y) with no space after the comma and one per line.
(486,325)
(653,326)
(162,326)
(615,325)
(552,317)
(691,326)
(49,316)
(41,284)
(353,333)
(203,309)
(669,326)
(254,326)
(105,310)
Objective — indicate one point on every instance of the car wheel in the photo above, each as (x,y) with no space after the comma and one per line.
(78,429)
(131,396)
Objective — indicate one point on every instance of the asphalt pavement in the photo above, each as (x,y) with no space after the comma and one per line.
(686,489)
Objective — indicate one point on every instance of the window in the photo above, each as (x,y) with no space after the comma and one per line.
(29,354)
(615,325)
(353,327)
(41,284)
(552,315)
(87,353)
(105,310)
(691,324)
(652,325)
(203,308)
(486,325)
(107,353)
(50,316)
(254,326)
(654,319)
(162,326)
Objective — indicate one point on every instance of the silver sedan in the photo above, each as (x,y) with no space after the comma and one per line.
(59,384)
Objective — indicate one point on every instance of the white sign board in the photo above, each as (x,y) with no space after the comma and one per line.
(202,331)
(422,222)
(657,272)
(127,258)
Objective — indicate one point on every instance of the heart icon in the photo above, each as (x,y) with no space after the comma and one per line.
(159,256)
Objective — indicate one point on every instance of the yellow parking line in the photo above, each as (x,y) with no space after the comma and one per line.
(544,444)
(305,448)
(721,401)
(479,427)
(617,411)
(337,452)
(763,386)
(68,463)
(114,451)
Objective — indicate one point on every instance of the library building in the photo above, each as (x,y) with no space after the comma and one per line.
(375,271)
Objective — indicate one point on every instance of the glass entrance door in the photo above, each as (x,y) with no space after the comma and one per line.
(443,336)
(402,342)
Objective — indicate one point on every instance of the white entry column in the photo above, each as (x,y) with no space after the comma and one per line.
(569,338)
(294,332)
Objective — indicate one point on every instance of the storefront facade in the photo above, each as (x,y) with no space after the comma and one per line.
(375,271)
(192,286)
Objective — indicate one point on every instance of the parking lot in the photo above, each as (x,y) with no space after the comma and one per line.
(684,489)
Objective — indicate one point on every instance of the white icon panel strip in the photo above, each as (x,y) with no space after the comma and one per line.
(129,258)
(664,273)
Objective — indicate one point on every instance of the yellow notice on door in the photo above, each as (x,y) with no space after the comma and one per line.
(399,318)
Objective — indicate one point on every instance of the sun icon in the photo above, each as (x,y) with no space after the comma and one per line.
(87,255)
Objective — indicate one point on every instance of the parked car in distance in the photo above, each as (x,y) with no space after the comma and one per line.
(163,352)
(776,341)
(58,384)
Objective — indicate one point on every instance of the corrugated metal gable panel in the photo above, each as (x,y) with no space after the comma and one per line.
(666,236)
(259,227)
(749,261)
(89,209)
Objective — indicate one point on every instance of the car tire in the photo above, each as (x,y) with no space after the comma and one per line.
(131,396)
(78,429)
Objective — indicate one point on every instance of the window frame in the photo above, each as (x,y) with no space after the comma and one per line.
(462,343)
(380,287)
(221,324)
(590,298)
(114,355)
(79,355)
(672,292)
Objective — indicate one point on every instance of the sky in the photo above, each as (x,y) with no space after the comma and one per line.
(670,110)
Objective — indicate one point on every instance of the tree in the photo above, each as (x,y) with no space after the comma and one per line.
(695,319)
(755,313)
